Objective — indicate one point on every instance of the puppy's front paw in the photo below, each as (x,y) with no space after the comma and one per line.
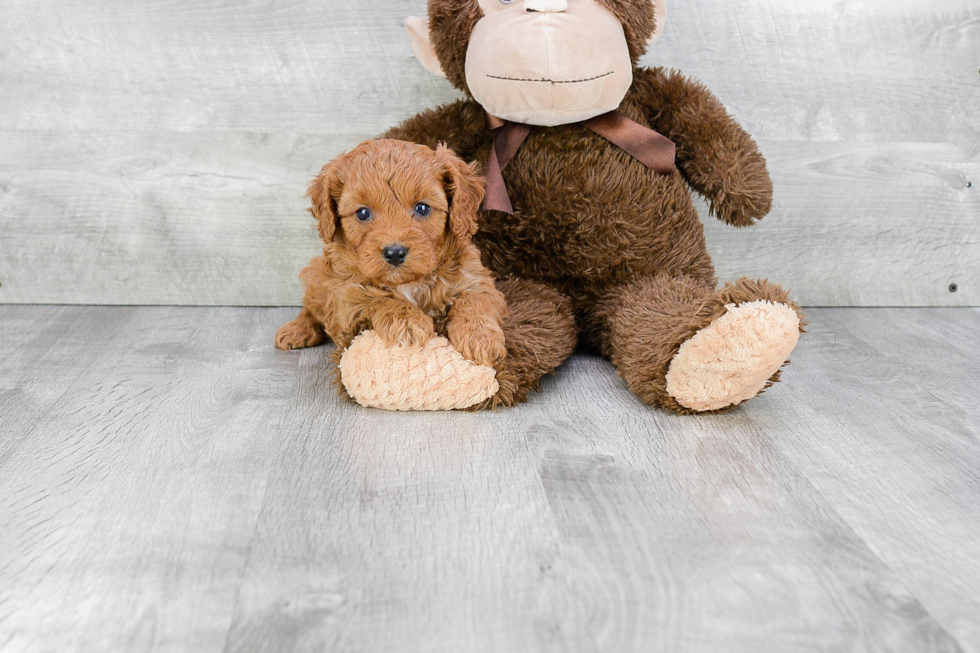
(298,334)
(482,343)
(412,329)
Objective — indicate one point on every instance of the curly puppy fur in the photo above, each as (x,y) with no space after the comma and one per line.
(440,286)
(604,247)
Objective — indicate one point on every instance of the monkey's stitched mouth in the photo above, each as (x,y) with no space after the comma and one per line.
(552,81)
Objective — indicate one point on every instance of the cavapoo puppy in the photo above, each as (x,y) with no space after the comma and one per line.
(396,221)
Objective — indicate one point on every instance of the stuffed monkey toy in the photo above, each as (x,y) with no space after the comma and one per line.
(589,225)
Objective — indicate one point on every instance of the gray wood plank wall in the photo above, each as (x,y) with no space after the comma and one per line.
(158,151)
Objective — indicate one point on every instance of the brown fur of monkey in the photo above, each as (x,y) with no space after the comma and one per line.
(598,232)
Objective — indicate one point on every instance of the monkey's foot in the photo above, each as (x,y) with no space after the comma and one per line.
(432,377)
(733,359)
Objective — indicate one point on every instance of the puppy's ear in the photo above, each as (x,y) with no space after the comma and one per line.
(324,194)
(464,190)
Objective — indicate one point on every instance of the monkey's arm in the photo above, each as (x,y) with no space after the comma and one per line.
(461,125)
(716,156)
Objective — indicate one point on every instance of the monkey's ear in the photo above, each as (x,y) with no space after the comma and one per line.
(660,13)
(324,193)
(418,33)
(464,190)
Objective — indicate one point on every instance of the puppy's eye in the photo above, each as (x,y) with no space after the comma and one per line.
(506,2)
(363,214)
(423,210)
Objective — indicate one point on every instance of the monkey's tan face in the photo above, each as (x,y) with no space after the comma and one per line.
(564,60)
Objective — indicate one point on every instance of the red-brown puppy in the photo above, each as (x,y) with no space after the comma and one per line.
(396,220)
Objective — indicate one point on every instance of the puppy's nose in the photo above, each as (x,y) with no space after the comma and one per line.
(395,254)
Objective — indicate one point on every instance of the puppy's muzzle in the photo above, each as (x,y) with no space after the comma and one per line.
(395,254)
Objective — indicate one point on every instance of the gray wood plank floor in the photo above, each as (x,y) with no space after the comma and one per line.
(170,482)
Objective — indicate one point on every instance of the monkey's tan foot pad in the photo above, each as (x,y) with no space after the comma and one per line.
(732,359)
(432,377)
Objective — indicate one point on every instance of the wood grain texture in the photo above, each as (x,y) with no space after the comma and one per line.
(169,481)
(158,152)
(908,485)
(129,482)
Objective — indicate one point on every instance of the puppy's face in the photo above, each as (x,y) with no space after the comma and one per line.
(394,209)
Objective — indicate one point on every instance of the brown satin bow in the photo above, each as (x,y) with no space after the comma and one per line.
(652,149)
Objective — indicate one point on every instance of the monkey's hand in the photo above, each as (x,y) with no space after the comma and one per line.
(741,192)
(715,154)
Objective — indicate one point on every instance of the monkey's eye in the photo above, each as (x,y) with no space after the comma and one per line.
(363,214)
(423,210)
